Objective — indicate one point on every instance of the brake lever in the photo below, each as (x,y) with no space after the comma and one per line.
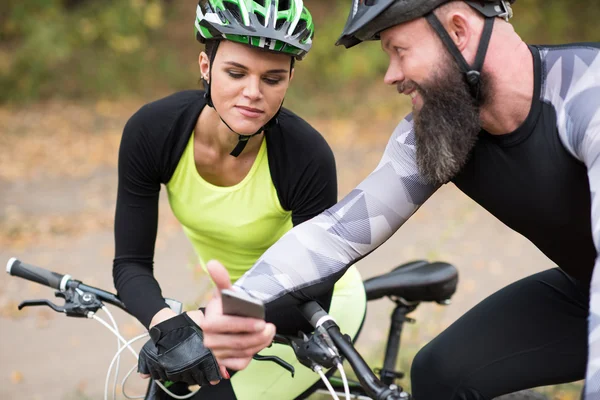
(40,302)
(283,364)
(78,303)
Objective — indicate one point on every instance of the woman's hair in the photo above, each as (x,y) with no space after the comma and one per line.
(209,49)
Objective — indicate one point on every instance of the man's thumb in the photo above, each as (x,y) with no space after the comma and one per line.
(219,274)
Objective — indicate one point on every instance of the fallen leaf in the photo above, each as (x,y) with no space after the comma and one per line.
(16,377)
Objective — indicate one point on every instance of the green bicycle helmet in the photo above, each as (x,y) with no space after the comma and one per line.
(283,26)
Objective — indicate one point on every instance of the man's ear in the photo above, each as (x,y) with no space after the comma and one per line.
(292,74)
(459,28)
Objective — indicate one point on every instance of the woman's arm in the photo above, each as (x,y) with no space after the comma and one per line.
(136,222)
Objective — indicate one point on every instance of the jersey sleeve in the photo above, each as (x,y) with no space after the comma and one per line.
(308,260)
(579,127)
(136,221)
(590,151)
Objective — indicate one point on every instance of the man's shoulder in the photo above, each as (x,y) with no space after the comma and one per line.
(568,69)
(575,57)
(571,85)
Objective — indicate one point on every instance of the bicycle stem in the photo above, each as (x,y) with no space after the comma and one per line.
(313,312)
(373,386)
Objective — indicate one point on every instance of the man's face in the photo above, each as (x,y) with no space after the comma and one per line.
(446,116)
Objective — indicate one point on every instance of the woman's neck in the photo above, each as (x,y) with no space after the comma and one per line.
(216,137)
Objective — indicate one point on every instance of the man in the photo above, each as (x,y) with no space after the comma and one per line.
(516,128)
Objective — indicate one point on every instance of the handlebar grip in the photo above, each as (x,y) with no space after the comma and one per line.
(314,313)
(35,274)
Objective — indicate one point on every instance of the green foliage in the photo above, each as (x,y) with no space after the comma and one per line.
(331,70)
(555,22)
(87,48)
(75,48)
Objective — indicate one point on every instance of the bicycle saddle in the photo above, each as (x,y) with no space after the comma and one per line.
(415,281)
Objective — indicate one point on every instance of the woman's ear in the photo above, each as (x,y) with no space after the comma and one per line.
(204,64)
(292,74)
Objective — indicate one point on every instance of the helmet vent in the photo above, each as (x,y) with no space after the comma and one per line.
(235,11)
(284,5)
(280,23)
(261,18)
(260,2)
(304,37)
(300,27)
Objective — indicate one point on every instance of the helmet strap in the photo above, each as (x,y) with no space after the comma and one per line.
(472,73)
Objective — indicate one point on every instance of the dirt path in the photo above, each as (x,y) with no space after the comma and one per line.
(56,203)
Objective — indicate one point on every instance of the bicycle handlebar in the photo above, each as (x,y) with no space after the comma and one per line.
(36,274)
(313,312)
(16,267)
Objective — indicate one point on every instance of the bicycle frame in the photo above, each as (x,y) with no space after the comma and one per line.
(388,373)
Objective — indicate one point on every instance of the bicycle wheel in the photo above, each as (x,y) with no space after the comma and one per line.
(523,395)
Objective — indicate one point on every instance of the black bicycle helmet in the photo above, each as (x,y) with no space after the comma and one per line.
(368,18)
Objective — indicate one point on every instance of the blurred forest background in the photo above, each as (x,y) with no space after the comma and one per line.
(89,49)
(71,74)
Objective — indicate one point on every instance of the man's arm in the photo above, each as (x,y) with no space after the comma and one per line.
(307,261)
(578,121)
(589,150)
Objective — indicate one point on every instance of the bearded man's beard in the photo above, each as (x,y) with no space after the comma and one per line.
(447,125)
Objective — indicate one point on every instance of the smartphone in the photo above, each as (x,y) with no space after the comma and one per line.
(242,305)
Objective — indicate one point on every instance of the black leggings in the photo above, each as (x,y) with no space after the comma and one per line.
(530,333)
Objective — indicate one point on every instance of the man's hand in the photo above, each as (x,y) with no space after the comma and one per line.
(233,340)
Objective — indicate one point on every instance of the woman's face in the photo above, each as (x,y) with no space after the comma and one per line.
(247,84)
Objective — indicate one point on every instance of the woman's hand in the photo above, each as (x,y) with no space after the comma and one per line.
(197,317)
(233,340)
(163,315)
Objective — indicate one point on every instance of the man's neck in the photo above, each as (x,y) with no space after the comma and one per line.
(511,70)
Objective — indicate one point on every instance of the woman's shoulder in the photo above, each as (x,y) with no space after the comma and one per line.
(297,132)
(169,107)
(165,120)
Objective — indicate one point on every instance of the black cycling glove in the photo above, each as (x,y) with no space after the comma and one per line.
(176,352)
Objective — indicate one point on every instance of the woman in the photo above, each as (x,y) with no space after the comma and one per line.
(240,171)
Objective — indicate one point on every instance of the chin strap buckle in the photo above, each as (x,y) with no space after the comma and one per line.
(505,10)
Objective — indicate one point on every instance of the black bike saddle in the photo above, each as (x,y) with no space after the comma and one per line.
(415,281)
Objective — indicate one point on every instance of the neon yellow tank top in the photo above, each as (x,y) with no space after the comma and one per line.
(234,225)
